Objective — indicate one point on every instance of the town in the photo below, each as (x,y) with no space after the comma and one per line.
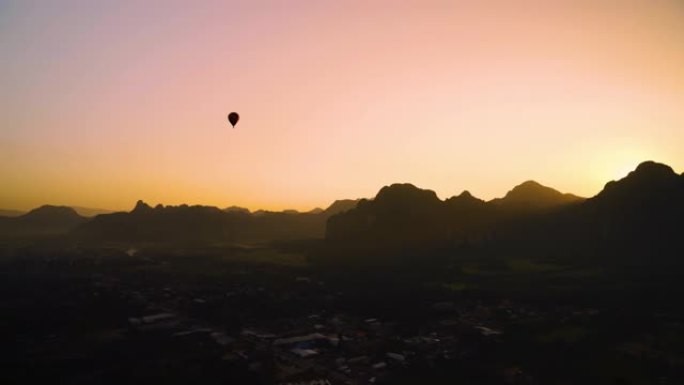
(264,323)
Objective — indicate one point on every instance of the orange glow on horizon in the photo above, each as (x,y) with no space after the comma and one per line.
(105,103)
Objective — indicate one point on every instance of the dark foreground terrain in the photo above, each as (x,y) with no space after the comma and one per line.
(537,287)
(265,315)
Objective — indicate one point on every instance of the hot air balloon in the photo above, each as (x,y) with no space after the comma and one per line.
(233,118)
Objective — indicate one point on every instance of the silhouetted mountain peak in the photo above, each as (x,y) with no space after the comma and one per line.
(650,180)
(42,220)
(399,211)
(652,169)
(141,206)
(464,199)
(529,188)
(401,194)
(236,209)
(465,195)
(340,206)
(531,194)
(464,203)
(50,212)
(653,173)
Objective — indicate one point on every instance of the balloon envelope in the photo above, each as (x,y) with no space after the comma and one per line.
(233,118)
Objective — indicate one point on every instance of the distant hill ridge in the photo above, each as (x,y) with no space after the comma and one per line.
(651,194)
(197,223)
(404,211)
(642,213)
(44,220)
(531,194)
(650,181)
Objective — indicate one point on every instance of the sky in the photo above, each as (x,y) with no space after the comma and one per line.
(103,103)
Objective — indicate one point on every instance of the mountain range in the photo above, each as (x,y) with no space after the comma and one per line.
(640,215)
(641,212)
(182,223)
(404,212)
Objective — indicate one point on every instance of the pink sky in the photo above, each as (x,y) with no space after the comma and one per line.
(107,102)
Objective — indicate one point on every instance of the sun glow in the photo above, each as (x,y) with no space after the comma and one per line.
(104,103)
(623,161)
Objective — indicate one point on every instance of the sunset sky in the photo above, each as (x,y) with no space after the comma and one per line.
(103,103)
